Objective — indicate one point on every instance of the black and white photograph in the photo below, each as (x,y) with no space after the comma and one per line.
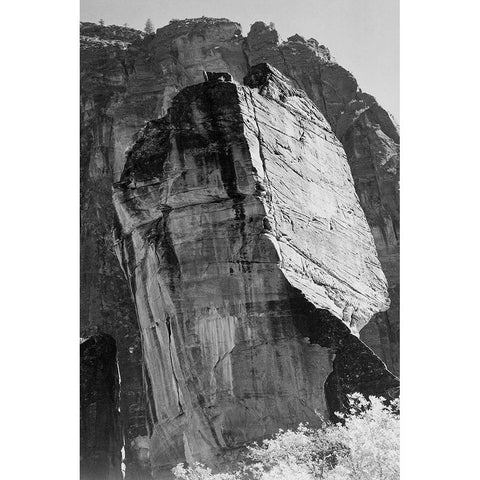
(202,226)
(239,248)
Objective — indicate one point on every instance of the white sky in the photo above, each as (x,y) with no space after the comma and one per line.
(363,35)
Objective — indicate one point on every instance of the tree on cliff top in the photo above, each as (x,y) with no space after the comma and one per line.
(365,446)
(149,27)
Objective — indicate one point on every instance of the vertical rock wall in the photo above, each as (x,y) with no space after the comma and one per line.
(105,300)
(371,141)
(100,431)
(127,79)
(252,268)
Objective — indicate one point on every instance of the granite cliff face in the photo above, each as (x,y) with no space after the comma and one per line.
(127,79)
(252,267)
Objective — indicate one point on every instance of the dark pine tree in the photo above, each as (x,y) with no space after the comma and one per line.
(148,27)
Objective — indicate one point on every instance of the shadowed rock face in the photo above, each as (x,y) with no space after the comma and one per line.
(128,78)
(252,267)
(100,432)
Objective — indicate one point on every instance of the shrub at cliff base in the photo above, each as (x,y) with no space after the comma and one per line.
(366,446)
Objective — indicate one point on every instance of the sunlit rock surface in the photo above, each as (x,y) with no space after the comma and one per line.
(252,268)
(371,141)
(128,78)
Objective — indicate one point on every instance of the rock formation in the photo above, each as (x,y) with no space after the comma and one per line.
(100,431)
(252,267)
(128,78)
(371,141)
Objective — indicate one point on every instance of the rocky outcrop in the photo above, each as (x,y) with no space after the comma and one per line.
(100,431)
(370,138)
(128,78)
(252,267)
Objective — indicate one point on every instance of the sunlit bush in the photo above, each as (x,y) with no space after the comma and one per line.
(363,446)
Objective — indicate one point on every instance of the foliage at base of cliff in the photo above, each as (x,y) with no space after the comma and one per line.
(365,445)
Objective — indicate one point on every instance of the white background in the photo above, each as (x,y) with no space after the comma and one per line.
(39,266)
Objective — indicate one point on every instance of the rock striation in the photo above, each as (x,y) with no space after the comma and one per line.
(100,430)
(371,141)
(252,267)
(127,79)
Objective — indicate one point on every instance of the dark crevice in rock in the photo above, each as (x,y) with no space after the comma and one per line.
(223,156)
(167,247)
(323,107)
(172,364)
(224,159)
(152,418)
(260,148)
(245,53)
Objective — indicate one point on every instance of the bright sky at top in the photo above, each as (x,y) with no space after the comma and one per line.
(363,35)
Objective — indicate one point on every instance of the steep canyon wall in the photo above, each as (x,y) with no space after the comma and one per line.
(252,267)
(128,79)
